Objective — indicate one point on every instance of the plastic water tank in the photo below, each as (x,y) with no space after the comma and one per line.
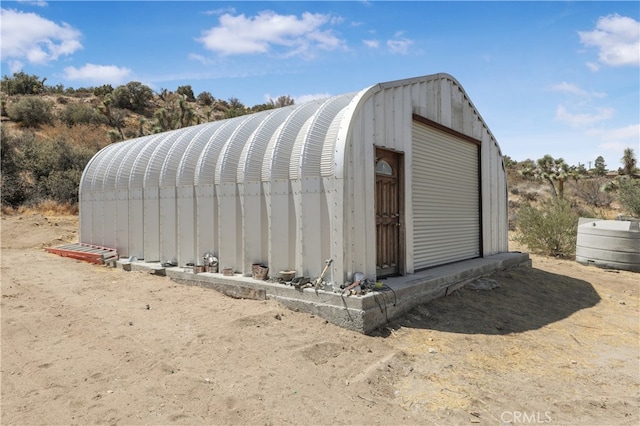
(613,244)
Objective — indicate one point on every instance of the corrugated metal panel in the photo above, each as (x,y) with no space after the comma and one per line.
(117,156)
(268,154)
(253,154)
(87,198)
(227,165)
(327,162)
(296,151)
(277,166)
(317,136)
(126,164)
(187,167)
(139,167)
(86,181)
(102,164)
(446,198)
(206,166)
(173,158)
(154,168)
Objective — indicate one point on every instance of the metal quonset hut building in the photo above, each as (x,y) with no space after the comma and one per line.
(396,178)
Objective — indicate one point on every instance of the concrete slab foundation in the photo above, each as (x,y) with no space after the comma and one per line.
(362,313)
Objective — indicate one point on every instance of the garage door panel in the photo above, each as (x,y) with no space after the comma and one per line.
(446,198)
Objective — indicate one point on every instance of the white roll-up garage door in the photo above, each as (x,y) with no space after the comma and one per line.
(446,197)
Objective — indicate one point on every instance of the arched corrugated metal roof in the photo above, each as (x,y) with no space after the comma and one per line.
(139,166)
(126,165)
(253,154)
(171,163)
(227,165)
(277,157)
(224,151)
(188,163)
(206,165)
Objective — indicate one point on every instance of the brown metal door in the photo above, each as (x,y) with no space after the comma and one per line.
(388,213)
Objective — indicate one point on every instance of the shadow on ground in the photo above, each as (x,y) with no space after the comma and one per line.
(525,299)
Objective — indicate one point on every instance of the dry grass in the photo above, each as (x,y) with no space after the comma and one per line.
(47,208)
(84,135)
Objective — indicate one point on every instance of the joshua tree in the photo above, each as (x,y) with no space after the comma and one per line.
(551,170)
(628,162)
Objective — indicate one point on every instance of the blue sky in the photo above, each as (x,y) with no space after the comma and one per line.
(559,78)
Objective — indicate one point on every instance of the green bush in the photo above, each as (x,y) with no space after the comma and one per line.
(133,96)
(14,189)
(31,111)
(629,195)
(550,229)
(62,185)
(206,99)
(22,84)
(77,113)
(34,170)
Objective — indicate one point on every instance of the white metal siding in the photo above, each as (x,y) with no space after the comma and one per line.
(446,198)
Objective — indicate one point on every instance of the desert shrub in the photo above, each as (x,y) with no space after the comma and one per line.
(14,188)
(62,185)
(35,170)
(31,111)
(77,113)
(206,99)
(513,205)
(133,96)
(56,168)
(22,84)
(592,192)
(103,90)
(550,229)
(629,195)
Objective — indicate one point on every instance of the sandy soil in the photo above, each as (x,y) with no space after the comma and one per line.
(86,344)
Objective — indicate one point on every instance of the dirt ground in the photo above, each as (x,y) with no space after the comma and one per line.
(84,344)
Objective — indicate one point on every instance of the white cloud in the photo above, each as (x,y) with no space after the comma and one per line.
(593,66)
(220,11)
(34,39)
(310,97)
(108,74)
(200,58)
(628,133)
(583,120)
(34,3)
(575,90)
(399,46)
(617,140)
(15,66)
(617,38)
(237,35)
(374,44)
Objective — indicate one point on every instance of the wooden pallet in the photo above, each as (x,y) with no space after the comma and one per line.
(86,252)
